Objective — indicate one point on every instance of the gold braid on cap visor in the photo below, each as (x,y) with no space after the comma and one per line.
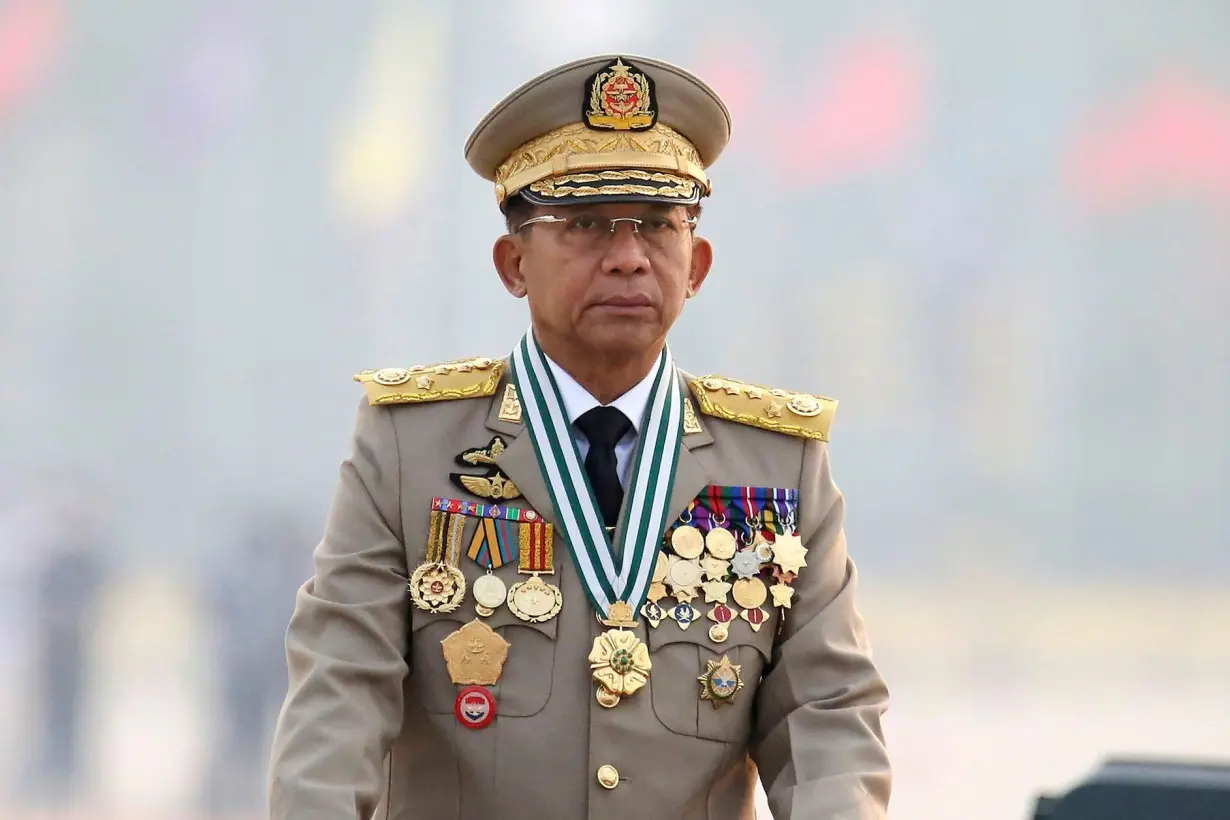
(577,149)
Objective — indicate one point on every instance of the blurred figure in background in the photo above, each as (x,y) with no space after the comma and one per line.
(69,543)
(252,588)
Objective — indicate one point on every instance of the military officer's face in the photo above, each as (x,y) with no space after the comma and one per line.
(599,281)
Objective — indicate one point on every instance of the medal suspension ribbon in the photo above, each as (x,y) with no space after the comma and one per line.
(648,498)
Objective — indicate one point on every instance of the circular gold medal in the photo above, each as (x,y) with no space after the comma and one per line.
(437,587)
(534,600)
(483,612)
(607,699)
(685,574)
(721,543)
(750,593)
(687,542)
(490,592)
(719,633)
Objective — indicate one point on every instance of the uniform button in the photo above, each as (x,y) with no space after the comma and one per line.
(608,776)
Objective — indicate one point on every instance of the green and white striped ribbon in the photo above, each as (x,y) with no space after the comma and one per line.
(648,494)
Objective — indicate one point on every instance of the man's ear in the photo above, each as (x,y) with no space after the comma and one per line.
(702,261)
(507,254)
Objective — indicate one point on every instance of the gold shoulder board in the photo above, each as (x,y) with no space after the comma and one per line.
(461,379)
(795,414)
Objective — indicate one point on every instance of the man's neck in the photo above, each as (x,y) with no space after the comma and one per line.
(606,378)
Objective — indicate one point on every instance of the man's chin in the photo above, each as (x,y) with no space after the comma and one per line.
(623,339)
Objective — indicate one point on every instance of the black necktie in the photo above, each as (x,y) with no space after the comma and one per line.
(603,427)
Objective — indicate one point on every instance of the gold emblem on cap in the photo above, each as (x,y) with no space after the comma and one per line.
(621,98)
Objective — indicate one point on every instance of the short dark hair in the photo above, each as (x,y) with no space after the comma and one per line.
(516,210)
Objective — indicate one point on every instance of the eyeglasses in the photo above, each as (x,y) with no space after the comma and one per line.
(585,232)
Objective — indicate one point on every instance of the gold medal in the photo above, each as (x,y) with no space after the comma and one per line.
(716,591)
(721,615)
(721,543)
(619,659)
(750,593)
(475,654)
(789,553)
(718,633)
(782,595)
(684,576)
(534,600)
(438,585)
(715,569)
(687,541)
(483,612)
(490,592)
(657,591)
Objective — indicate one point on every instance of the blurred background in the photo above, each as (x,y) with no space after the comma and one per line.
(996,231)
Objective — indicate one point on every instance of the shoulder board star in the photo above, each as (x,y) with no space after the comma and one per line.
(460,379)
(795,414)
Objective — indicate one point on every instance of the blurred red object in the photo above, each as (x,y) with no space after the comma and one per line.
(30,33)
(1172,137)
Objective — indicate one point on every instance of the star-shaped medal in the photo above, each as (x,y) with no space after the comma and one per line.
(746,563)
(789,553)
(715,568)
(716,591)
(782,595)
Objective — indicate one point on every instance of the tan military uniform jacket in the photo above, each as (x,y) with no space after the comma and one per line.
(368,728)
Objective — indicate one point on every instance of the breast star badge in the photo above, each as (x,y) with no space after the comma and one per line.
(789,553)
(721,681)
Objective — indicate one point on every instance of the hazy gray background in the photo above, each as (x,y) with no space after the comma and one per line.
(996,231)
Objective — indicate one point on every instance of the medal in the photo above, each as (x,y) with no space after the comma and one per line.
(619,659)
(437,585)
(720,682)
(653,613)
(782,595)
(721,543)
(534,600)
(684,614)
(764,550)
(721,615)
(746,563)
(687,542)
(715,569)
(684,577)
(754,617)
(475,654)
(489,594)
(789,553)
(715,591)
(474,707)
(657,586)
(750,593)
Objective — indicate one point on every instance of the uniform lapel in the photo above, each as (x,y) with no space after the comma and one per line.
(691,477)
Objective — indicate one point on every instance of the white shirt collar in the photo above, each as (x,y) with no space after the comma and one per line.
(578,401)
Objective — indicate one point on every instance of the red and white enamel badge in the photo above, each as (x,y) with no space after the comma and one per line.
(475,707)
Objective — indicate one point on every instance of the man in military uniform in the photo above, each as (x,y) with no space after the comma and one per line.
(575,581)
